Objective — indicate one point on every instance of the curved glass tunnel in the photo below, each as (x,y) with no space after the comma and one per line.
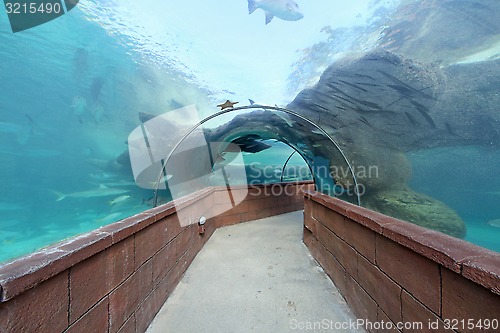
(175,158)
(407,87)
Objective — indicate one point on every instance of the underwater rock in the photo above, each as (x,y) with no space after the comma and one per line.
(386,98)
(367,102)
(404,105)
(466,27)
(469,104)
(380,106)
(419,209)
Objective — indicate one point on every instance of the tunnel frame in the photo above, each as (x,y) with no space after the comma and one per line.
(267,108)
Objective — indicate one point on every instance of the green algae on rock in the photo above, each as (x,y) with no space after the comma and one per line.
(419,209)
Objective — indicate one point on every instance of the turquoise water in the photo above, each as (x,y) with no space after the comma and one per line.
(72,90)
(464,178)
(68,104)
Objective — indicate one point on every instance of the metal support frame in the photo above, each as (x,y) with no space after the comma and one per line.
(248,107)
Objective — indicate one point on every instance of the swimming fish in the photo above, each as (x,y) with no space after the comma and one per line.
(96,88)
(494,223)
(113,217)
(411,119)
(365,121)
(22,133)
(285,117)
(165,178)
(104,176)
(119,199)
(321,169)
(353,85)
(450,130)
(98,112)
(32,153)
(250,144)
(79,105)
(120,183)
(175,104)
(424,112)
(151,201)
(286,10)
(80,62)
(102,191)
(144,117)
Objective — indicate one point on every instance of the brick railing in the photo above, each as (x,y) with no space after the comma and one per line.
(391,270)
(116,278)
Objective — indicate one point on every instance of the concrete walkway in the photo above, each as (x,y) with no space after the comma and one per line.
(255,277)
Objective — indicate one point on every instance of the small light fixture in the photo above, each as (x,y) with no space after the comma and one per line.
(201,225)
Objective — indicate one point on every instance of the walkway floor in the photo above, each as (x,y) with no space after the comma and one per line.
(255,277)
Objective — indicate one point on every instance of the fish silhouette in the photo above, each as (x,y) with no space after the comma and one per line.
(286,10)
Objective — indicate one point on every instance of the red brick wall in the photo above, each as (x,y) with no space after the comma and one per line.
(389,269)
(116,278)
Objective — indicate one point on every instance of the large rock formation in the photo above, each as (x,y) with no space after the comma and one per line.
(431,82)
(381,105)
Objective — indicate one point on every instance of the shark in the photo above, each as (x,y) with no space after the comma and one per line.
(287,10)
(22,132)
(102,191)
(494,223)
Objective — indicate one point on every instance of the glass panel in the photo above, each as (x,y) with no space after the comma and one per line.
(165,160)
(295,170)
(391,81)
(277,164)
(470,186)
(250,128)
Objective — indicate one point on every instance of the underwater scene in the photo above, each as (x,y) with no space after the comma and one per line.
(391,104)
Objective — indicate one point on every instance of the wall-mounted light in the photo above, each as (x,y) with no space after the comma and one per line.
(201,225)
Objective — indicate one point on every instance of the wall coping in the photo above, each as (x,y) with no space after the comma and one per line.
(473,262)
(23,273)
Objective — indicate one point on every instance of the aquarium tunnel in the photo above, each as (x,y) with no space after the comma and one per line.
(109,109)
(216,145)
(133,131)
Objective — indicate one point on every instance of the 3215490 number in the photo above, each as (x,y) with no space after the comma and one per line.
(470,324)
(33,8)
